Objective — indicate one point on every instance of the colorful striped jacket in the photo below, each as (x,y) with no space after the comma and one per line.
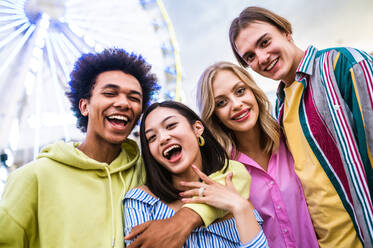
(336,116)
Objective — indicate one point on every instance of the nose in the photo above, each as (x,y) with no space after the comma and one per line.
(164,137)
(122,102)
(236,103)
(263,57)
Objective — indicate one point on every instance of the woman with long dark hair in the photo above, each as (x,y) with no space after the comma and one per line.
(178,148)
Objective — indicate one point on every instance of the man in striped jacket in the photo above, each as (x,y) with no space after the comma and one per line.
(325,105)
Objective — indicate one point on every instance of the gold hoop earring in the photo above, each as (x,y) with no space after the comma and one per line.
(201,141)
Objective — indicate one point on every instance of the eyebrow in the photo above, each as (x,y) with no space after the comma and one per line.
(233,88)
(256,44)
(163,121)
(116,87)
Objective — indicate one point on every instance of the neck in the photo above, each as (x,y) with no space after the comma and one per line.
(298,55)
(188,176)
(100,151)
(249,143)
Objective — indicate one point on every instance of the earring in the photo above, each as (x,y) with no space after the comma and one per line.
(201,141)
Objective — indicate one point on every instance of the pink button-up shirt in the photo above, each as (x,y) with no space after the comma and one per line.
(278,196)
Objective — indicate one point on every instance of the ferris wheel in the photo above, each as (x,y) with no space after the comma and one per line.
(41,39)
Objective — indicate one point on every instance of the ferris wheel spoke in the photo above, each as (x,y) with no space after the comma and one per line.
(12,17)
(12,4)
(13,24)
(70,44)
(57,87)
(18,47)
(14,34)
(61,59)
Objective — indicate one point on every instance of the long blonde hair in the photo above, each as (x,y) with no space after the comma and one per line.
(205,99)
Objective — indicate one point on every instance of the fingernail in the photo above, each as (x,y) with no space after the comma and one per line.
(182,182)
(181,193)
(194,166)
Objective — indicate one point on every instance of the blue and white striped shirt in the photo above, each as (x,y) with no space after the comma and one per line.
(140,207)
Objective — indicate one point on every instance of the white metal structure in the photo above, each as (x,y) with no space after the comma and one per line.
(39,42)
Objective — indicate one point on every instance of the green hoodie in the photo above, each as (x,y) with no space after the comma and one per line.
(66,199)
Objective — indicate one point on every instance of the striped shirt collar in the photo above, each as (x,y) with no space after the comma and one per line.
(306,64)
(304,68)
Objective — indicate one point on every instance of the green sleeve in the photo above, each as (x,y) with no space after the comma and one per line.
(12,235)
(241,180)
(18,205)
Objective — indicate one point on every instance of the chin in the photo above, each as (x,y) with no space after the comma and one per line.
(117,140)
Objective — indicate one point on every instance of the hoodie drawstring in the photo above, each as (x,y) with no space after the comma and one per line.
(112,207)
(122,193)
(124,185)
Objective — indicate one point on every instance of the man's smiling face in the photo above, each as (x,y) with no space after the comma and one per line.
(268,51)
(113,108)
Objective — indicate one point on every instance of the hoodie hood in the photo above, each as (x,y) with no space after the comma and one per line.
(69,155)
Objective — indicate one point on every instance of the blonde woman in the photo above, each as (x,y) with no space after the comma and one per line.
(238,113)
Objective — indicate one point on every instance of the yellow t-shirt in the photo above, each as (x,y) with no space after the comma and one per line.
(332,223)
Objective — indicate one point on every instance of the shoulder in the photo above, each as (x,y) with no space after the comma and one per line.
(140,195)
(146,189)
(237,167)
(240,173)
(282,151)
(348,56)
(30,171)
(130,147)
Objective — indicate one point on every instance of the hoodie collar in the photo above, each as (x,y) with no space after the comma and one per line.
(69,155)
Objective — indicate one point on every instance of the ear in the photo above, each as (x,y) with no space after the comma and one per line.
(198,128)
(289,37)
(83,106)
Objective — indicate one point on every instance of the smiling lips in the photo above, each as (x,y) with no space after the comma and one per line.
(119,121)
(274,62)
(242,115)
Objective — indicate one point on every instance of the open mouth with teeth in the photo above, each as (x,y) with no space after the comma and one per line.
(118,120)
(172,153)
(274,62)
(243,115)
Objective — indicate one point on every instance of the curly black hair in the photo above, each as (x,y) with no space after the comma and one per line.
(89,66)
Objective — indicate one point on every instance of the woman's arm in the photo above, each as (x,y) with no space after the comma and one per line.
(227,198)
(135,212)
(141,230)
